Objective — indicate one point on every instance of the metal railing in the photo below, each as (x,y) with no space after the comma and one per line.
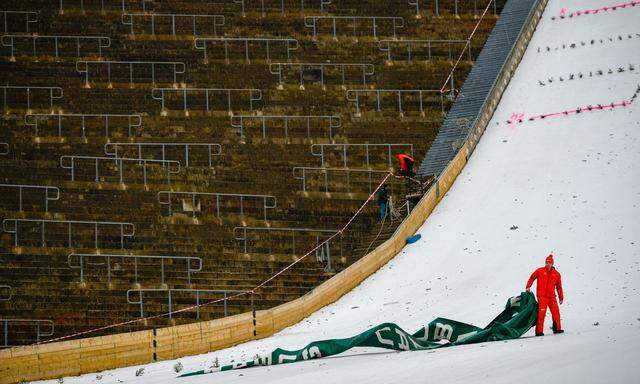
(175,68)
(418,4)
(171,166)
(53,93)
(132,121)
(126,229)
(289,45)
(421,94)
(29,17)
(240,235)
(212,149)
(396,23)
(363,71)
(101,43)
(156,18)
(200,294)
(22,187)
(424,48)
(254,95)
(263,7)
(342,148)
(302,173)
(6,292)
(4,149)
(81,264)
(268,201)
(37,323)
(103,6)
(238,122)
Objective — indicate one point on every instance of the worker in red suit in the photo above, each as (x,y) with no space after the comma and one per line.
(406,164)
(548,282)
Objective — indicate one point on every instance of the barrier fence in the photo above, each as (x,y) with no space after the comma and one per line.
(402,98)
(318,72)
(77,261)
(38,324)
(197,201)
(471,4)
(30,92)
(172,68)
(424,48)
(71,163)
(244,4)
(116,5)
(242,236)
(211,149)
(318,177)
(28,16)
(157,22)
(253,95)
(108,120)
(126,230)
(78,44)
(22,187)
(376,22)
(332,123)
(249,46)
(320,151)
(200,294)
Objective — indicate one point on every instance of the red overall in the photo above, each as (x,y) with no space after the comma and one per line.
(548,282)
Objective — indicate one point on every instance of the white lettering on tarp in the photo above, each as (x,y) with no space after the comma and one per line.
(442,331)
(404,342)
(381,339)
(426,334)
(286,358)
(465,336)
(311,353)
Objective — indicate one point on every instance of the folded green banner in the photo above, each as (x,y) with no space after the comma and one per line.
(517,318)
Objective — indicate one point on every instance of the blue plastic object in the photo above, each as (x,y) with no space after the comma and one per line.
(413,239)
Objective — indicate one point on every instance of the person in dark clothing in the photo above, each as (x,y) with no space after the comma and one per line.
(383,201)
(406,164)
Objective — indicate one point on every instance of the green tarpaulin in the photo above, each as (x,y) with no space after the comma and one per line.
(517,318)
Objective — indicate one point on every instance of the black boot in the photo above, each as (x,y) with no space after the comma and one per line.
(555,329)
(539,334)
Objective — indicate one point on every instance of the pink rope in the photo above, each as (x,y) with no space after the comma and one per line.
(444,89)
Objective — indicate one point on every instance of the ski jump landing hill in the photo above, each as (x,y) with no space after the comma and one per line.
(555,171)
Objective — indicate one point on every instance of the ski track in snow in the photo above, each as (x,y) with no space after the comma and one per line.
(572,187)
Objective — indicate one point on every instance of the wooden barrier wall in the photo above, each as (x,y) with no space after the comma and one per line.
(75,357)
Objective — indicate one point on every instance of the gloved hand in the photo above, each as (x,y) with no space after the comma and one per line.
(528,289)
(560,301)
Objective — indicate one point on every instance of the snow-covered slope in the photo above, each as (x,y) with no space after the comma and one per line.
(571,186)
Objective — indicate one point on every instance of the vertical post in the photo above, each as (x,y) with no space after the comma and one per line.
(108,269)
(81,268)
(225,303)
(69,232)
(162,270)
(96,234)
(198,304)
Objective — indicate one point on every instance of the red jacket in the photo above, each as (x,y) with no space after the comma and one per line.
(406,161)
(548,283)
